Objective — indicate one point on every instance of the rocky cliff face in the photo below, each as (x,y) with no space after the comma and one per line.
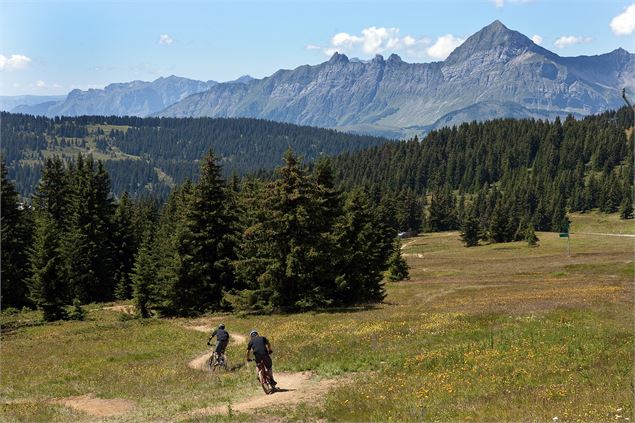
(496,72)
(136,98)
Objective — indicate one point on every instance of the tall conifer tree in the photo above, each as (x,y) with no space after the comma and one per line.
(15,238)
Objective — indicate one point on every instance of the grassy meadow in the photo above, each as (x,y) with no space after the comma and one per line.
(500,332)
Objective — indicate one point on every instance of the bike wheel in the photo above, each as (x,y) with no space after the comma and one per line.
(209,364)
(213,362)
(264,381)
(223,362)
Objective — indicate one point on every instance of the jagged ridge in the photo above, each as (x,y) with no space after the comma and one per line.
(494,66)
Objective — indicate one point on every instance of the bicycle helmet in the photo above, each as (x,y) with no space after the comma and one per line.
(253,333)
(221,326)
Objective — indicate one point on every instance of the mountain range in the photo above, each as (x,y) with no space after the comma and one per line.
(136,98)
(8,102)
(497,72)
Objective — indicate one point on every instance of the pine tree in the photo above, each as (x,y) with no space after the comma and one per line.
(626,209)
(442,212)
(498,224)
(77,312)
(326,211)
(124,246)
(88,246)
(292,237)
(15,237)
(47,285)
(143,276)
(53,192)
(470,229)
(176,290)
(397,266)
(209,238)
(367,247)
(530,235)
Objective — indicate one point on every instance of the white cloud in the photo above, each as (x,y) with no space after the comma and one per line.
(40,84)
(537,39)
(624,23)
(444,46)
(569,40)
(374,40)
(165,40)
(16,61)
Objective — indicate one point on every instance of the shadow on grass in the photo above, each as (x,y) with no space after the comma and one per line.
(10,328)
(236,367)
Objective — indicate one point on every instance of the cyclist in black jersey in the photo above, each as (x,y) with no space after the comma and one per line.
(261,348)
(222,339)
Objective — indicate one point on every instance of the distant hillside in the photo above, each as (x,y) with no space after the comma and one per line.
(151,155)
(136,98)
(495,73)
(9,102)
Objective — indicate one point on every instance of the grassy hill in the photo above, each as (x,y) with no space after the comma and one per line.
(499,332)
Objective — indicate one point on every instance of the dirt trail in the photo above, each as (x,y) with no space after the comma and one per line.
(199,362)
(294,388)
(407,244)
(235,337)
(604,234)
(98,407)
(127,309)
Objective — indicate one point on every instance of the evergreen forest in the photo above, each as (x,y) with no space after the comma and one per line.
(501,179)
(314,234)
(151,156)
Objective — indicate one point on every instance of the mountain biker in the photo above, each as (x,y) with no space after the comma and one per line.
(261,348)
(222,339)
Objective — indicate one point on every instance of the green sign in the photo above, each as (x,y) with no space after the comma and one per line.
(564,234)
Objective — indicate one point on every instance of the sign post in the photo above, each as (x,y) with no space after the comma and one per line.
(564,233)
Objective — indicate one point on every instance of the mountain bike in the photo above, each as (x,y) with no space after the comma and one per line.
(217,361)
(265,377)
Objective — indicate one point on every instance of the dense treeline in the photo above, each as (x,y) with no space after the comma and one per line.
(72,242)
(291,243)
(510,176)
(305,237)
(153,155)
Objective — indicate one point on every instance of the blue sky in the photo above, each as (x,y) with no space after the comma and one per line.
(51,47)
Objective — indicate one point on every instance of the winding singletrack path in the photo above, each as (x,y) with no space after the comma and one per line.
(293,387)
(199,362)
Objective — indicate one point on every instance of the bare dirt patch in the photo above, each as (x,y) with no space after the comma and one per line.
(98,407)
(199,362)
(294,388)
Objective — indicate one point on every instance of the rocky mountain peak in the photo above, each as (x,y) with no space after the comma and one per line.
(378,59)
(493,37)
(338,58)
(394,58)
